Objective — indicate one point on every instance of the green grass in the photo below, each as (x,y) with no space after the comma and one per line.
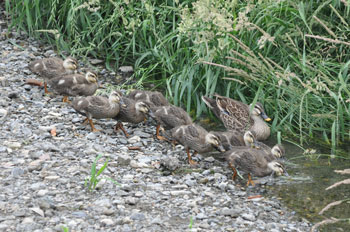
(92,181)
(293,56)
(191,223)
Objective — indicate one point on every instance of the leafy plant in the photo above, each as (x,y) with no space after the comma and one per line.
(65,229)
(191,223)
(92,181)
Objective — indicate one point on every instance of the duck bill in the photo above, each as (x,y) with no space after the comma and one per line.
(285,173)
(255,145)
(220,148)
(265,117)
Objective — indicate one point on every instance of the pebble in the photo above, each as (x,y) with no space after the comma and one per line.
(107,222)
(42,192)
(230,212)
(249,217)
(17,172)
(91,136)
(35,165)
(138,217)
(134,139)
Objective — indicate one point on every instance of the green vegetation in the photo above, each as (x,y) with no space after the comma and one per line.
(191,223)
(293,56)
(65,229)
(92,181)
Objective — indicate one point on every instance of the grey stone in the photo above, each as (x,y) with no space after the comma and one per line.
(79,214)
(249,217)
(134,139)
(16,172)
(107,222)
(4,81)
(142,134)
(230,212)
(91,136)
(201,216)
(209,159)
(138,217)
(131,200)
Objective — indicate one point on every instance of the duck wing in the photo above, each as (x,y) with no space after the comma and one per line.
(234,114)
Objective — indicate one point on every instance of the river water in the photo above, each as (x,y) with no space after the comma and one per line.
(304,191)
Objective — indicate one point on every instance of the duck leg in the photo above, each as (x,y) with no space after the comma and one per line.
(173,143)
(118,126)
(65,99)
(234,171)
(159,136)
(190,161)
(86,120)
(250,181)
(92,126)
(45,88)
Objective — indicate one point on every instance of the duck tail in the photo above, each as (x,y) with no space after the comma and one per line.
(34,66)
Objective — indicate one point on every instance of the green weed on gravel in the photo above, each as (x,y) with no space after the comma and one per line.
(92,181)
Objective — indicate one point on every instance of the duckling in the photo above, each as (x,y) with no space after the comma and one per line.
(152,98)
(230,139)
(49,68)
(196,138)
(236,116)
(274,153)
(75,85)
(270,154)
(169,117)
(98,107)
(131,111)
(253,162)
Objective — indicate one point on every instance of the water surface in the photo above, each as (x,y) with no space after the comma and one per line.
(304,192)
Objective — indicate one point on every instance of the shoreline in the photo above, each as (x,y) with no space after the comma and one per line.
(43,175)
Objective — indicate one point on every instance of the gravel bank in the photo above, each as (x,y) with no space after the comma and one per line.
(43,175)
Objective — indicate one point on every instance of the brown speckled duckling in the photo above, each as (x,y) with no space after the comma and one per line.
(152,98)
(270,154)
(196,138)
(75,85)
(169,117)
(131,111)
(98,107)
(230,139)
(254,161)
(236,116)
(49,68)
